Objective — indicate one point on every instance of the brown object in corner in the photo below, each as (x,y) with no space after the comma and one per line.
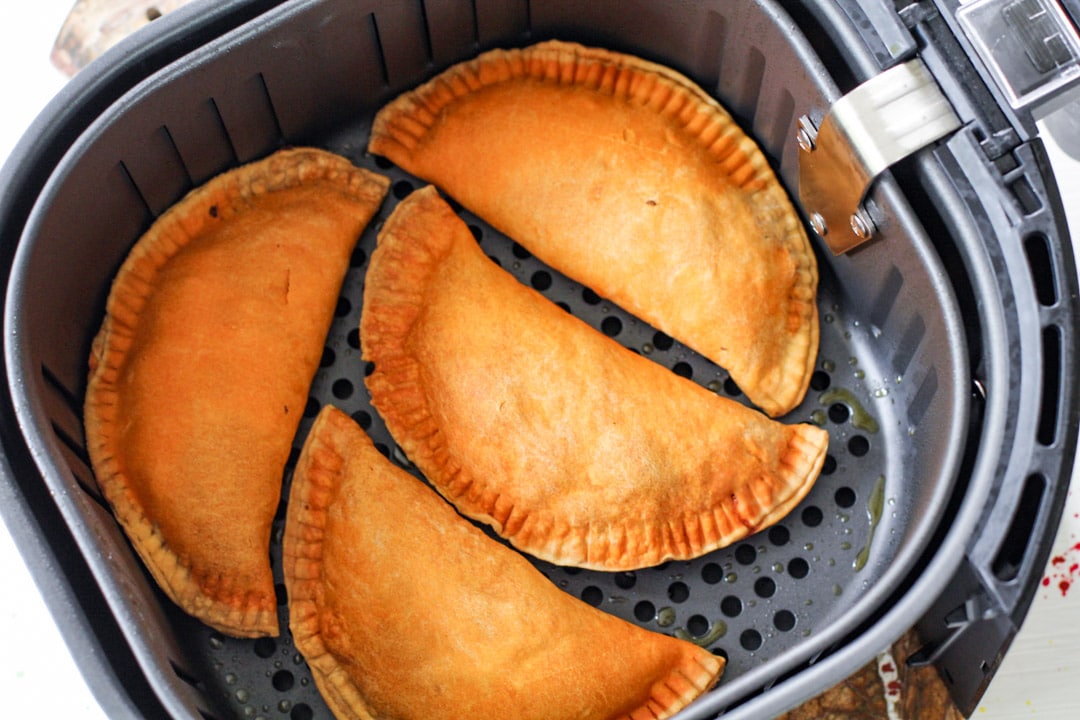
(916,694)
(94,26)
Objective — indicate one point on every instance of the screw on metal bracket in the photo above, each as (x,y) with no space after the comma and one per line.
(862,225)
(807,134)
(818,223)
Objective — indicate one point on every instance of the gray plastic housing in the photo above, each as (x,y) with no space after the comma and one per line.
(153,119)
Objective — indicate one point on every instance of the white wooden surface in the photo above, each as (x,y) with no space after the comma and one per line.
(1040,676)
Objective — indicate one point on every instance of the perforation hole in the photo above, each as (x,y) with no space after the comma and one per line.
(265,647)
(798,568)
(784,620)
(811,516)
(342,389)
(750,640)
(590,297)
(683,369)
(844,497)
(858,445)
(541,280)
(764,587)
(712,573)
(731,388)
(745,554)
(625,580)
(697,625)
(611,326)
(593,595)
(779,535)
(644,611)
(283,680)
(661,341)
(402,189)
(820,380)
(520,252)
(829,466)
(731,606)
(359,257)
(678,592)
(301,711)
(839,413)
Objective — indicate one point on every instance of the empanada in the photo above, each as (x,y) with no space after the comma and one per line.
(574,448)
(214,329)
(403,609)
(627,177)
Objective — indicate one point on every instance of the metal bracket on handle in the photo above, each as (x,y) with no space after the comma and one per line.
(878,123)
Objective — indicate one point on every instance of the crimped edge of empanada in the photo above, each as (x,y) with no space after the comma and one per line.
(241,612)
(393,303)
(318,473)
(400,126)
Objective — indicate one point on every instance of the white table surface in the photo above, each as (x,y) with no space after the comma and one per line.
(1039,678)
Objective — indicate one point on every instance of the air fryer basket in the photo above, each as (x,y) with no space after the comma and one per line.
(942,377)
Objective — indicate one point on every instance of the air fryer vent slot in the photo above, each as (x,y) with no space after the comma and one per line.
(1050,399)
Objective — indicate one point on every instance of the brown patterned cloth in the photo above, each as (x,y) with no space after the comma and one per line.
(914,694)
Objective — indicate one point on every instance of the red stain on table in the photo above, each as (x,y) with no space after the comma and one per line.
(1064,570)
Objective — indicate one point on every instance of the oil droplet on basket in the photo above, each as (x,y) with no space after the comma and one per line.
(860,374)
(217,642)
(845,545)
(716,631)
(860,418)
(778,567)
(874,507)
(828,317)
(242,695)
(881,392)
(819,418)
(230,679)
(647,348)
(730,577)
(715,385)
(665,617)
(828,366)
(837,590)
(808,546)
(284,706)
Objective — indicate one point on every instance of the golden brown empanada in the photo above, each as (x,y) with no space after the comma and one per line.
(403,609)
(572,447)
(199,376)
(627,177)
